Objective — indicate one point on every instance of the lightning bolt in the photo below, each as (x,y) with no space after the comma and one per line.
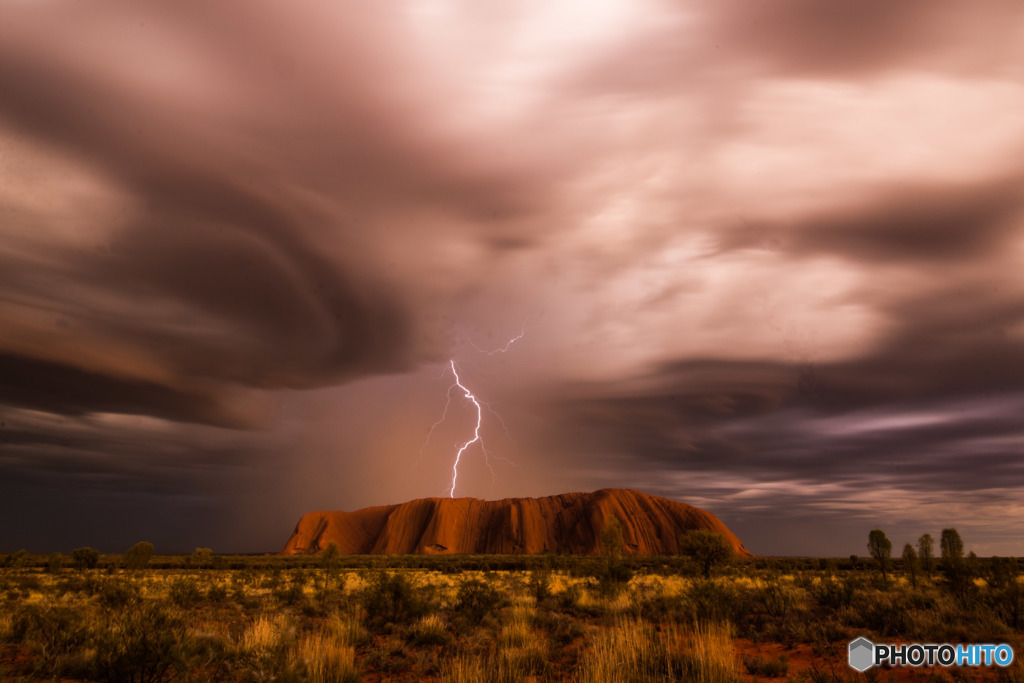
(480,406)
(504,348)
(476,431)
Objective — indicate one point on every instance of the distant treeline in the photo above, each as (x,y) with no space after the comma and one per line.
(656,564)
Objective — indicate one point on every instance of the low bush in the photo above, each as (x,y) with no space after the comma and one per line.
(85,558)
(142,645)
(390,598)
(475,600)
(766,666)
(185,593)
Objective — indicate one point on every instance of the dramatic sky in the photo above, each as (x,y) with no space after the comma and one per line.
(765,257)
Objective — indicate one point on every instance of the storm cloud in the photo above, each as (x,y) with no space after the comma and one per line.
(763,258)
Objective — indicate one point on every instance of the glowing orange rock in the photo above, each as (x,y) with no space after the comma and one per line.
(567,523)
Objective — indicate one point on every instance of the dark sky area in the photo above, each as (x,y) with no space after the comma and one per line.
(766,258)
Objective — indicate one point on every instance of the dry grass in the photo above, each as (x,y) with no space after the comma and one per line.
(464,668)
(347,628)
(633,651)
(629,651)
(710,658)
(508,665)
(657,628)
(325,659)
(430,630)
(517,632)
(265,634)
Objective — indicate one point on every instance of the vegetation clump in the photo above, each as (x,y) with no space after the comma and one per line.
(343,618)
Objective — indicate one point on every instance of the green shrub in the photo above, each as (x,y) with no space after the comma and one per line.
(51,632)
(390,598)
(138,555)
(185,593)
(390,657)
(767,667)
(887,618)
(143,645)
(85,558)
(201,558)
(475,600)
(116,594)
(217,593)
(778,599)
(563,629)
(711,601)
(612,577)
(540,584)
(834,594)
(291,595)
(54,563)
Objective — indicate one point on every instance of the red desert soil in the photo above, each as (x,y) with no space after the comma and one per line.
(567,523)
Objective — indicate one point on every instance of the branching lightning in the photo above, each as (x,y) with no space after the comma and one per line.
(504,348)
(476,431)
(480,406)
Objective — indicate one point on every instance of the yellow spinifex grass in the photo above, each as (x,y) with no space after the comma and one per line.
(325,659)
(507,665)
(431,628)
(347,628)
(263,635)
(710,657)
(517,632)
(6,625)
(464,668)
(629,651)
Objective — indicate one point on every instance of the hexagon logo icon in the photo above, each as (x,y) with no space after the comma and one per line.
(862,654)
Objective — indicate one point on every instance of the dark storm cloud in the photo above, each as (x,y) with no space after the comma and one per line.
(110,480)
(858,38)
(931,413)
(57,388)
(211,243)
(206,234)
(804,216)
(934,224)
(948,342)
(716,51)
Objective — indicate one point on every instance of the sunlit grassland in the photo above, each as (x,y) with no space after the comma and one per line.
(554,618)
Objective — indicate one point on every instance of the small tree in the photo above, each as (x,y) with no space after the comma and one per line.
(611,538)
(85,558)
(201,557)
(952,548)
(880,548)
(615,574)
(973,564)
(330,558)
(1002,571)
(708,548)
(54,563)
(910,563)
(138,555)
(959,578)
(926,553)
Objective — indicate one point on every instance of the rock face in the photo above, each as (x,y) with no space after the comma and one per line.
(567,523)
